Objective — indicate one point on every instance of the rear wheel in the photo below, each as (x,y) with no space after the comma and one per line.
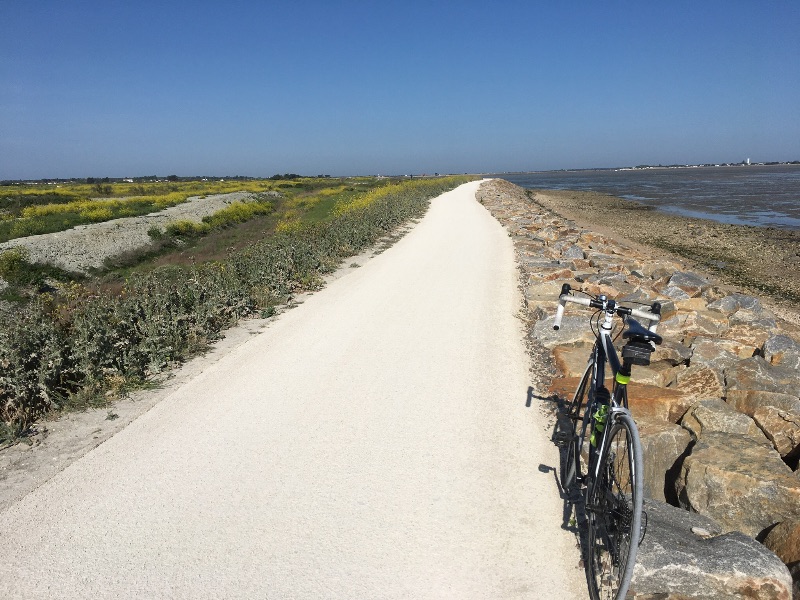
(571,467)
(614,513)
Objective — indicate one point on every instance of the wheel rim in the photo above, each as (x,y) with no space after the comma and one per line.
(612,519)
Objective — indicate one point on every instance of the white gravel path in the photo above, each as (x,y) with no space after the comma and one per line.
(372,443)
(87,246)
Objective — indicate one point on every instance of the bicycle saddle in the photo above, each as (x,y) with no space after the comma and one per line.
(637,333)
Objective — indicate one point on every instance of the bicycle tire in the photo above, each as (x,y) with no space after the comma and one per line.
(571,468)
(614,512)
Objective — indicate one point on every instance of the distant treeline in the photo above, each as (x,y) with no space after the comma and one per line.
(150,178)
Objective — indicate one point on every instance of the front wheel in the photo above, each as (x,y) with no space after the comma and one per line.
(614,511)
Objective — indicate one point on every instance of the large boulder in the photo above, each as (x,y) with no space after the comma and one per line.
(716,415)
(762,319)
(691,283)
(571,361)
(735,302)
(658,403)
(782,350)
(542,291)
(700,381)
(706,322)
(663,445)
(756,374)
(784,540)
(717,353)
(659,374)
(750,338)
(685,555)
(782,427)
(656,269)
(672,352)
(771,395)
(739,481)
(574,330)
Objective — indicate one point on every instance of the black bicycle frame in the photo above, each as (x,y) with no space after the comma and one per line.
(602,353)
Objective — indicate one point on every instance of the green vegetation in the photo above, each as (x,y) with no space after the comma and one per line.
(65,349)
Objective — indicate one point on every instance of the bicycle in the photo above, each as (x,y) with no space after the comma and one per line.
(611,475)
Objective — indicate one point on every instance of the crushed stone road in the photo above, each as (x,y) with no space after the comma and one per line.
(372,443)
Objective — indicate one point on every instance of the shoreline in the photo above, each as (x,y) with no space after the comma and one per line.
(762,261)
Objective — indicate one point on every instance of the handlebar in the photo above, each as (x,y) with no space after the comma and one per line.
(601,303)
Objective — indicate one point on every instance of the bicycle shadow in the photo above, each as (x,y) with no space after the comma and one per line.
(574,510)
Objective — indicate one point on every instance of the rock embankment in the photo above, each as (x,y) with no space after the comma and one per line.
(87,247)
(718,408)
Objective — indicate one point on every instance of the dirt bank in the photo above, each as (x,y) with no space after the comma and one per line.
(87,247)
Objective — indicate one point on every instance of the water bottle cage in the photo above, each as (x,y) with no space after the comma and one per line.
(600,416)
(637,353)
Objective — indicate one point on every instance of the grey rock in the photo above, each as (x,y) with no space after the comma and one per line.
(691,283)
(763,318)
(657,269)
(715,353)
(538,263)
(574,330)
(548,233)
(685,555)
(672,352)
(573,251)
(757,374)
(675,293)
(730,304)
(612,279)
(599,259)
(782,350)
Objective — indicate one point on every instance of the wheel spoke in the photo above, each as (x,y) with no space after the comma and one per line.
(615,513)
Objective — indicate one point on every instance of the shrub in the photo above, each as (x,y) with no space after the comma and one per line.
(13,263)
(186,228)
(237,212)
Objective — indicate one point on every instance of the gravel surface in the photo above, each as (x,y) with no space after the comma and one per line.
(374,442)
(87,246)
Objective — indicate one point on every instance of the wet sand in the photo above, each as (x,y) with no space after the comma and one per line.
(762,261)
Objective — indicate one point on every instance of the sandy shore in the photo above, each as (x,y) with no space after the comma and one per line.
(757,260)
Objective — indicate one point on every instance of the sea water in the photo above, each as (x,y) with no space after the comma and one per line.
(765,196)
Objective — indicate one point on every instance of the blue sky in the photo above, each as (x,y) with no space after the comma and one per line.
(118,88)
